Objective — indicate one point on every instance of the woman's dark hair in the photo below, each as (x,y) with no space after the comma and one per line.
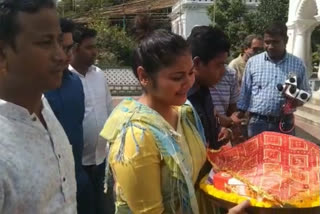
(207,42)
(9,10)
(156,49)
(277,29)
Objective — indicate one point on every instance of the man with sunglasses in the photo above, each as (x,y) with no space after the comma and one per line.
(67,103)
(252,45)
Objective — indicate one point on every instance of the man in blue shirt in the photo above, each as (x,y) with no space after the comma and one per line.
(67,103)
(259,93)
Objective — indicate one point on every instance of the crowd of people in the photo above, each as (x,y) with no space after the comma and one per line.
(64,149)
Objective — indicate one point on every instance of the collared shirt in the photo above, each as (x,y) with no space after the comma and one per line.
(98,106)
(225,92)
(201,100)
(259,93)
(36,164)
(239,65)
(67,103)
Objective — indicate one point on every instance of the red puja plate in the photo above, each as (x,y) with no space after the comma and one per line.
(280,169)
(261,210)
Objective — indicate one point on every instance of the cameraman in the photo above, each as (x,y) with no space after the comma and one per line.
(259,94)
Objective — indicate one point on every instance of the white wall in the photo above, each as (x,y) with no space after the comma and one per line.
(194,18)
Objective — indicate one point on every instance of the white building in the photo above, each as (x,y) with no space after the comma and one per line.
(189,13)
(304,16)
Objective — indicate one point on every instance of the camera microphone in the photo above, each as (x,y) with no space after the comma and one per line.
(292,89)
(280,87)
(304,96)
(292,80)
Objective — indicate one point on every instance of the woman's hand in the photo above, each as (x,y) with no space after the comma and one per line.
(240,208)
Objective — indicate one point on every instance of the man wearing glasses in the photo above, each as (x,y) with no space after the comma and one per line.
(67,103)
(252,45)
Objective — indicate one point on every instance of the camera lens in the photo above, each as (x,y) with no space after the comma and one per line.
(303,96)
(292,80)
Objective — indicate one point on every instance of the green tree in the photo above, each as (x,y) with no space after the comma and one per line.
(237,21)
(114,44)
(267,12)
(229,16)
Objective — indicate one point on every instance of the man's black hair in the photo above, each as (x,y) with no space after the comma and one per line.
(82,32)
(277,29)
(207,42)
(66,25)
(9,10)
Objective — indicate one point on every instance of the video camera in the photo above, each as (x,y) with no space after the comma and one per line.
(292,93)
(290,90)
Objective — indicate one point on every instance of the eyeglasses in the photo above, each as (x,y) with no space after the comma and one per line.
(257,50)
(67,49)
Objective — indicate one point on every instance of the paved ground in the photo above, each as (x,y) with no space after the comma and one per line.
(308,131)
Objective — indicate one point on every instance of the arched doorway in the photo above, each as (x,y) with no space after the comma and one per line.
(303,18)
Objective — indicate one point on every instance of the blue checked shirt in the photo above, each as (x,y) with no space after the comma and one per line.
(259,93)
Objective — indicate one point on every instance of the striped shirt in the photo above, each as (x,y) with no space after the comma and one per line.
(225,92)
(259,93)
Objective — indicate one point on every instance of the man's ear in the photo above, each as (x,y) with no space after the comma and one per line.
(196,62)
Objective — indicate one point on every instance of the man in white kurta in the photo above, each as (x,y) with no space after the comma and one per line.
(37,174)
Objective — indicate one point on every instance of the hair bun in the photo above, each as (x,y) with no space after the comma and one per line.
(143,26)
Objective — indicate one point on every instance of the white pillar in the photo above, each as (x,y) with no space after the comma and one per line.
(300,43)
(291,35)
(317,93)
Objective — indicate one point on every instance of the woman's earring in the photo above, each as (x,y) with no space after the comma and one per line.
(144,83)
